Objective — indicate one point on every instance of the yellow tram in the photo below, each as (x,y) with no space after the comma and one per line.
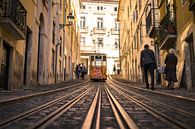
(98,67)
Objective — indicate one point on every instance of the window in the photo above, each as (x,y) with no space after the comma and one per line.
(100,8)
(60,45)
(116,44)
(60,66)
(92,58)
(82,22)
(83,41)
(100,23)
(60,4)
(83,7)
(98,57)
(116,26)
(104,58)
(141,35)
(115,9)
(100,42)
(53,35)
(53,59)
(140,4)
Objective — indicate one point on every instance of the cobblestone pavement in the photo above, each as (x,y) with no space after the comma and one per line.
(9,94)
(179,91)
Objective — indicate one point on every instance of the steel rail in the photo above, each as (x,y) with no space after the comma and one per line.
(180,111)
(118,109)
(37,109)
(57,113)
(171,95)
(91,113)
(22,98)
(153,111)
(99,111)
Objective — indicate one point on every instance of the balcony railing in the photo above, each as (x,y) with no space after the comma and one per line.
(84,29)
(115,31)
(13,13)
(152,22)
(168,32)
(100,30)
(192,5)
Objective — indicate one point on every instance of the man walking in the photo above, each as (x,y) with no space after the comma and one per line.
(148,63)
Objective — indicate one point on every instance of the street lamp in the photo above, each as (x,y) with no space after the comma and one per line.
(93,40)
(70,18)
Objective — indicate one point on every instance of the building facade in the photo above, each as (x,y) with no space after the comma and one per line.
(13,23)
(35,49)
(133,37)
(100,31)
(163,24)
(177,31)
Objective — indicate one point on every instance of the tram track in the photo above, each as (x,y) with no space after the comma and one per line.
(14,108)
(23,98)
(122,118)
(45,112)
(179,101)
(174,116)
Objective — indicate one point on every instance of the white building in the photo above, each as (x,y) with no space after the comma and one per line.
(100,31)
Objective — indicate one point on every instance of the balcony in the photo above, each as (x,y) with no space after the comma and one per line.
(84,29)
(167,33)
(114,31)
(192,5)
(100,30)
(13,17)
(152,23)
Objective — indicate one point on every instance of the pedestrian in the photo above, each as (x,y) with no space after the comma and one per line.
(114,69)
(83,71)
(148,64)
(78,70)
(170,68)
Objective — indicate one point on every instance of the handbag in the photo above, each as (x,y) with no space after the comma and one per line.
(161,69)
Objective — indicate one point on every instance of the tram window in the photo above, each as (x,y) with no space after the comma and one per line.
(93,63)
(98,63)
(98,57)
(104,63)
(92,58)
(104,58)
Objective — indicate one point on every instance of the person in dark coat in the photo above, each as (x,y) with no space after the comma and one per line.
(148,64)
(78,70)
(170,68)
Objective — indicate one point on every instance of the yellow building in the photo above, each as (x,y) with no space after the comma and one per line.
(131,15)
(176,30)
(38,45)
(13,23)
(72,38)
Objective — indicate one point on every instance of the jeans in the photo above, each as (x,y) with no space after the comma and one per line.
(150,68)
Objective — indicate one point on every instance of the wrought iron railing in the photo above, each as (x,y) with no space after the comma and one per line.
(15,11)
(168,23)
(192,5)
(152,21)
(149,21)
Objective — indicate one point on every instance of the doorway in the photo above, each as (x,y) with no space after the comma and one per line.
(4,66)
(192,59)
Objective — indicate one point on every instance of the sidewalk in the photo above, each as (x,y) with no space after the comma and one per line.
(9,94)
(180,91)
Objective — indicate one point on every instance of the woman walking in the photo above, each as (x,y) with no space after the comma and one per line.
(170,68)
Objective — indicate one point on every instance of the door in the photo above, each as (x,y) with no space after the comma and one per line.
(4,67)
(192,59)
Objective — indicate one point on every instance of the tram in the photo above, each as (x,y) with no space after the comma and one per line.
(98,67)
